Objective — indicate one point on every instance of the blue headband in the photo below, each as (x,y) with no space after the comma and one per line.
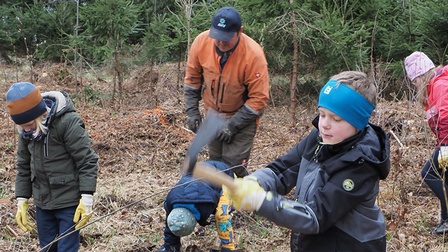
(346,103)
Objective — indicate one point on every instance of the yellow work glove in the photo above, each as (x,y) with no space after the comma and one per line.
(22,217)
(443,156)
(83,211)
(248,195)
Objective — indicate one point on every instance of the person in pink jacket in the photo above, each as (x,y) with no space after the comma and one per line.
(432,88)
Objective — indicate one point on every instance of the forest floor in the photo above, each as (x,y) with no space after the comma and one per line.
(141,141)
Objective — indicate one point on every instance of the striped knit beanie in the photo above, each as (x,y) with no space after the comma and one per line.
(25,102)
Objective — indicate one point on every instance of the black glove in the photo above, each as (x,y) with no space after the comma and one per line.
(194,122)
(226,135)
(192,98)
(239,120)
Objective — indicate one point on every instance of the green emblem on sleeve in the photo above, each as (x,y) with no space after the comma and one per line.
(348,185)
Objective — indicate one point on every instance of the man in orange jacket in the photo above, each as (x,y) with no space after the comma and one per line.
(228,70)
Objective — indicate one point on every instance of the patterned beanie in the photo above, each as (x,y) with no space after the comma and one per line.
(25,102)
(417,64)
(181,221)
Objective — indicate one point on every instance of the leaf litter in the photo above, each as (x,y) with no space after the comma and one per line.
(142,139)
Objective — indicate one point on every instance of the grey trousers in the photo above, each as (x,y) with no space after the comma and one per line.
(236,153)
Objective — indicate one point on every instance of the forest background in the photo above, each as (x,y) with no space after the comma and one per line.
(123,63)
(305,41)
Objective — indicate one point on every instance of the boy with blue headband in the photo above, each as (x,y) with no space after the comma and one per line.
(335,171)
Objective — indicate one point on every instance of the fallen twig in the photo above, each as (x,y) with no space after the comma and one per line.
(11,231)
(396,138)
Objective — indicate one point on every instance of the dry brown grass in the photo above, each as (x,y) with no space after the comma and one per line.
(141,142)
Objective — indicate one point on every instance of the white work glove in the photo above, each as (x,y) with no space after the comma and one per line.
(443,156)
(84,210)
(22,216)
(249,195)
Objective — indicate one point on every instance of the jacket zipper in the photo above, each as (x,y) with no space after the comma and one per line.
(217,93)
(222,92)
(212,88)
(46,144)
(41,198)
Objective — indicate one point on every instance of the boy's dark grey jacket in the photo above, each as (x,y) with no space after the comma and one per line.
(336,187)
(57,168)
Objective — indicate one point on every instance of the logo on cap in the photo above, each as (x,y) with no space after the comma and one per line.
(222,23)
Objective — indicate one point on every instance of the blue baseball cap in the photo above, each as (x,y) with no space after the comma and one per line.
(225,23)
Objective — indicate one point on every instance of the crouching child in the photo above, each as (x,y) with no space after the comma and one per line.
(193,201)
